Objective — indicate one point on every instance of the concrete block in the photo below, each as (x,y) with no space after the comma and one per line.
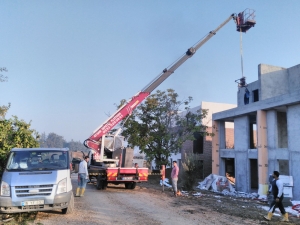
(241,133)
(252,154)
(294,78)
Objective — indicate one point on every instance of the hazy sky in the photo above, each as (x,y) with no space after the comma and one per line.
(69,62)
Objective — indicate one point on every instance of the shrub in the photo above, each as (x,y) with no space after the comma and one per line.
(191,168)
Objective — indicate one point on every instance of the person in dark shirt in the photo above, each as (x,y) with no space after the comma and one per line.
(277,191)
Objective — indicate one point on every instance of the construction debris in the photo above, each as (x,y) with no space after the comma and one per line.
(223,186)
(166,183)
(216,183)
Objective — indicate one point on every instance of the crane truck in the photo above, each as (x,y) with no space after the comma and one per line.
(110,161)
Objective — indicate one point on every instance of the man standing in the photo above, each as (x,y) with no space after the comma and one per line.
(277,191)
(174,176)
(83,176)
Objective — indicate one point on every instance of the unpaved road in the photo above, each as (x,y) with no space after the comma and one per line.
(147,204)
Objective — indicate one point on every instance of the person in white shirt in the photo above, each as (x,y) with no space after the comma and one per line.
(277,191)
(83,176)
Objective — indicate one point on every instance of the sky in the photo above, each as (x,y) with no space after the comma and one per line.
(70,62)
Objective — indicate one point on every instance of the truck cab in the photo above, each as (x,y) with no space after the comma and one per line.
(37,179)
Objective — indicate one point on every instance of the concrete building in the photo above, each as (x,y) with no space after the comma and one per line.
(269,107)
(203,144)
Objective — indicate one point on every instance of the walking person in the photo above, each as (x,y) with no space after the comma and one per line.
(83,177)
(174,176)
(277,191)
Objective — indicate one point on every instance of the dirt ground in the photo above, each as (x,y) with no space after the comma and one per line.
(235,210)
(147,204)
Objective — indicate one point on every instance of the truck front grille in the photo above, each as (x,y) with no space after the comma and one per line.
(34,190)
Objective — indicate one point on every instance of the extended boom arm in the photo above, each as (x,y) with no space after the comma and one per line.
(93,141)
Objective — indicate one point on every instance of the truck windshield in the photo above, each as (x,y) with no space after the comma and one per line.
(37,160)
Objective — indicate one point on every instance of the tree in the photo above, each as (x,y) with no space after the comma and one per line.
(191,167)
(2,77)
(53,141)
(15,133)
(56,141)
(3,111)
(159,127)
(76,146)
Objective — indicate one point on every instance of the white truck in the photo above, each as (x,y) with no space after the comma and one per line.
(37,179)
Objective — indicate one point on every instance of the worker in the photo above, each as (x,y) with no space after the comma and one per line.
(174,176)
(83,177)
(136,165)
(277,191)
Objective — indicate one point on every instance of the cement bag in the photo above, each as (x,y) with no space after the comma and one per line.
(206,184)
(221,183)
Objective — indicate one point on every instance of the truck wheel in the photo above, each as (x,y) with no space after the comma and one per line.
(104,185)
(133,185)
(127,185)
(99,185)
(70,208)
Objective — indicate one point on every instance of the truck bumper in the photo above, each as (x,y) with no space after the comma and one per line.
(60,201)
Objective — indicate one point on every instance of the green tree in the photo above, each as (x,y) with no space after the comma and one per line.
(159,128)
(191,167)
(15,133)
(3,111)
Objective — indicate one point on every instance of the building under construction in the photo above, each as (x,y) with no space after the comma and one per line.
(269,107)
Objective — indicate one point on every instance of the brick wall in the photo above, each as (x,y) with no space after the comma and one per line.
(229,137)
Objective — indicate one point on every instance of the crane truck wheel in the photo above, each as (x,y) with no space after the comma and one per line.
(104,186)
(100,182)
(133,185)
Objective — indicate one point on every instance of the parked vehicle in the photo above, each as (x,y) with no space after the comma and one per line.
(37,179)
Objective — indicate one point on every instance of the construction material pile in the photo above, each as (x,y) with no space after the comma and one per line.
(216,183)
(165,182)
(222,185)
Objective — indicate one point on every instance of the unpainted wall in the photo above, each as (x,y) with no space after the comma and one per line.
(282,130)
(293,125)
(241,146)
(241,93)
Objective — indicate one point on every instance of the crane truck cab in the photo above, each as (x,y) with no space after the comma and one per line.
(113,164)
(37,179)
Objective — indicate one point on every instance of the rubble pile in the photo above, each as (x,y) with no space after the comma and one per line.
(240,194)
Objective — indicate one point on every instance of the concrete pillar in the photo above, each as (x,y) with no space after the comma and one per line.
(222,145)
(215,148)
(293,127)
(241,146)
(222,138)
(262,150)
(272,140)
